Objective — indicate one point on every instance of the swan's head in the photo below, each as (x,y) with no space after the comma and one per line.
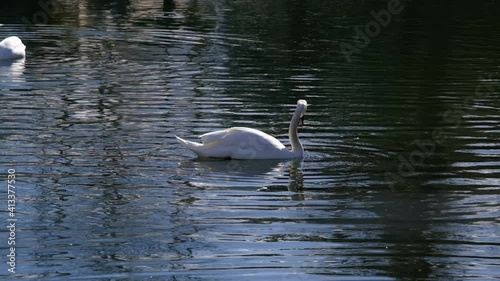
(301,109)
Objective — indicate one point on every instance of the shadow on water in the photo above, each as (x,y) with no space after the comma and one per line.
(408,230)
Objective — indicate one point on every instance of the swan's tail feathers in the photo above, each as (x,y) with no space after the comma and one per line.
(182,141)
(194,146)
(188,144)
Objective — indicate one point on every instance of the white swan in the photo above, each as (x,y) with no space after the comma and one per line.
(247,143)
(12,48)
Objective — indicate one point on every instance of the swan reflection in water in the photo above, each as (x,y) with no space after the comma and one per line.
(12,70)
(266,175)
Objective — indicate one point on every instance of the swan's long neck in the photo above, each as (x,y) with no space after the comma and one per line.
(292,134)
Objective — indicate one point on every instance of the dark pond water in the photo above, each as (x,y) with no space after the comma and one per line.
(401,176)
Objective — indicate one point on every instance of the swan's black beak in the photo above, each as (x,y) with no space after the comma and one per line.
(301,121)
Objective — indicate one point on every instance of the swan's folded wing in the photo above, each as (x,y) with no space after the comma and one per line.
(229,135)
(240,137)
(213,136)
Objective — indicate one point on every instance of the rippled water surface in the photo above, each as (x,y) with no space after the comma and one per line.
(400,179)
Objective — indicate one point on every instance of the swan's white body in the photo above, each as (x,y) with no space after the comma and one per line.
(247,143)
(12,48)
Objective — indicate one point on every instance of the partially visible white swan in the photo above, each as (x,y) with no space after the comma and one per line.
(12,48)
(247,143)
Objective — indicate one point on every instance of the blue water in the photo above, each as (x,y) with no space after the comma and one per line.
(400,179)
